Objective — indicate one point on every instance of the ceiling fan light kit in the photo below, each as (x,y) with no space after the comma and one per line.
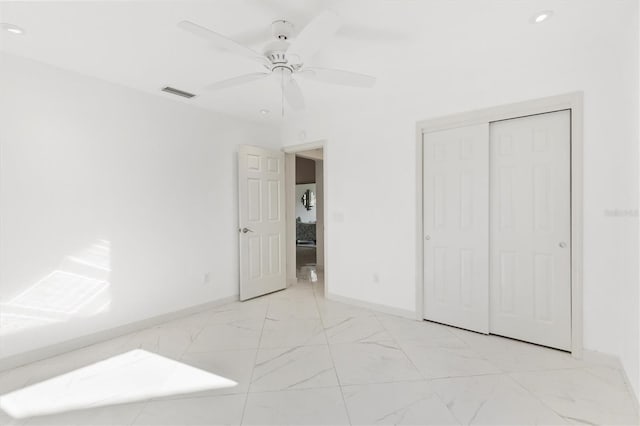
(284,58)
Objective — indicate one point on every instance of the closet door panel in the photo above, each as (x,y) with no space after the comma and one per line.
(456,220)
(530,232)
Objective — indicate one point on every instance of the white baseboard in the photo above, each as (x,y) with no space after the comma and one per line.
(405,313)
(601,358)
(614,362)
(91,339)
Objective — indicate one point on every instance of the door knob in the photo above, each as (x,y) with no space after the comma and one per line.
(562,244)
(427,237)
(245,230)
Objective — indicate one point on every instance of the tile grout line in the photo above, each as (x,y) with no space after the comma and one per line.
(440,398)
(535,397)
(135,419)
(511,377)
(400,347)
(335,370)
(255,360)
(182,354)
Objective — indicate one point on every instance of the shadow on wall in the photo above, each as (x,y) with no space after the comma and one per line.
(78,288)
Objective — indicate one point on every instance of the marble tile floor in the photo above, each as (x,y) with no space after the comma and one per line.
(300,359)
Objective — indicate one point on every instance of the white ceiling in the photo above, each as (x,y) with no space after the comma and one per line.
(137,44)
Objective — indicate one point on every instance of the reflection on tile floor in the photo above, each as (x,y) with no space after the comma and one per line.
(301,359)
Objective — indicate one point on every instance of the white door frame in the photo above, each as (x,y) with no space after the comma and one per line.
(571,101)
(290,192)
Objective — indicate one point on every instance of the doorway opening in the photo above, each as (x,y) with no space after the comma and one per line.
(305,214)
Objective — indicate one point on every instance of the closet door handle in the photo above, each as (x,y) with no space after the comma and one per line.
(562,244)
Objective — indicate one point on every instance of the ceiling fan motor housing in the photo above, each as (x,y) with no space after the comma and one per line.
(276,53)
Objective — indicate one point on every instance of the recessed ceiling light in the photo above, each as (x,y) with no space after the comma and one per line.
(264,112)
(10,28)
(542,16)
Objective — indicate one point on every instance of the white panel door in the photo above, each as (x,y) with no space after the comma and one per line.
(261,221)
(456,227)
(531,229)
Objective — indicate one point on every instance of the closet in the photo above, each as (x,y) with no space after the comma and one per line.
(497,228)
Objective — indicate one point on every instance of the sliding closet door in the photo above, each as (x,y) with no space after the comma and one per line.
(456,232)
(530,281)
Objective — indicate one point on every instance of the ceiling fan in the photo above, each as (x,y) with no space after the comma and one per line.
(285,59)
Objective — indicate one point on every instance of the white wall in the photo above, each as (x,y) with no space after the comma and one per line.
(486,60)
(112,185)
(306,216)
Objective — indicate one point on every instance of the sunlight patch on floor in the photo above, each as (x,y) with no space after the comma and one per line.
(132,376)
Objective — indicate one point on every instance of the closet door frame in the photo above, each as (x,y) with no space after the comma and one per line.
(570,101)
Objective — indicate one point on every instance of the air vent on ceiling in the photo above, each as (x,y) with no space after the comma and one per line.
(177,92)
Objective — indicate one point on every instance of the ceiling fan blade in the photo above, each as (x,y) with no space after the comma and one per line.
(255,36)
(236,81)
(293,95)
(221,41)
(314,35)
(345,78)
